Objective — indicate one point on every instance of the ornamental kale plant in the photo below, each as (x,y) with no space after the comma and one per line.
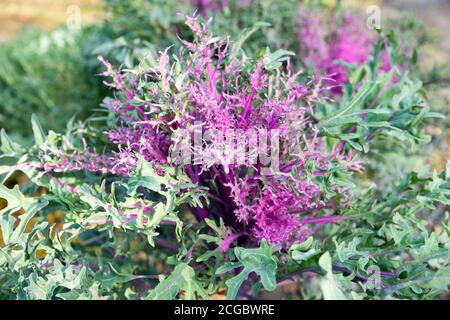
(218,173)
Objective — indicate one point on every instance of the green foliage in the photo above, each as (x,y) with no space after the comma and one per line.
(181,279)
(328,284)
(46,74)
(260,261)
